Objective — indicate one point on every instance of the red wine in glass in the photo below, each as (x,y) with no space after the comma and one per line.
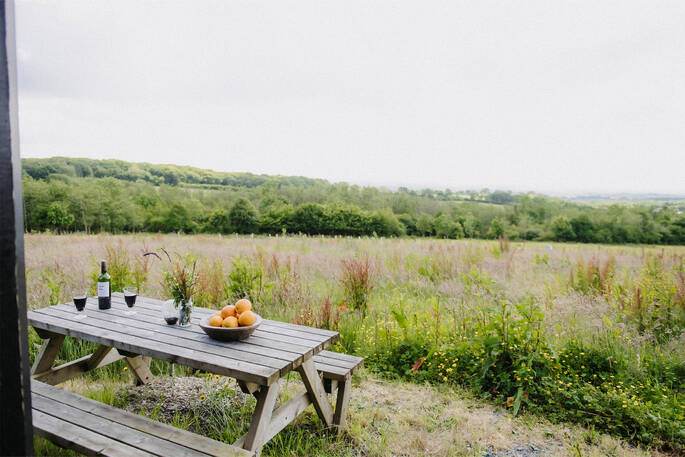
(169,312)
(79,297)
(130,294)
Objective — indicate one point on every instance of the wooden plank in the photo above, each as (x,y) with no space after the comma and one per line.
(147,346)
(317,394)
(140,366)
(261,418)
(341,404)
(341,356)
(332,372)
(47,354)
(86,442)
(350,366)
(303,328)
(118,432)
(143,424)
(195,339)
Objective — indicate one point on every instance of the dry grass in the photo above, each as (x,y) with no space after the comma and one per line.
(403,419)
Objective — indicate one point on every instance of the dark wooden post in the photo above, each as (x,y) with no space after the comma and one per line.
(16,431)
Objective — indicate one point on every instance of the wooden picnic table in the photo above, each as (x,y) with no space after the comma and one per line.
(258,362)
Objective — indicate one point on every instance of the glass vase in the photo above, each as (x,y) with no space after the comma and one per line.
(185,308)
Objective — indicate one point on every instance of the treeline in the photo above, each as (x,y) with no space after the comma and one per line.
(66,195)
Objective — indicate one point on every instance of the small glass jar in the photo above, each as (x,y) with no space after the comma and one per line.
(170,312)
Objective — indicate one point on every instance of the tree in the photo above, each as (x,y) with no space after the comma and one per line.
(496,228)
(243,217)
(445,227)
(562,229)
(309,218)
(58,218)
(583,228)
(218,222)
(385,223)
(176,219)
(424,225)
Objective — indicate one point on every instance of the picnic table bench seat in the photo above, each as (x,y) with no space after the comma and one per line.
(337,366)
(93,428)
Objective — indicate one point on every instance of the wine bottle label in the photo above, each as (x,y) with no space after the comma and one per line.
(103,289)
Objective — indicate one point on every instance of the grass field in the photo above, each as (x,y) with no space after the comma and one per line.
(465,341)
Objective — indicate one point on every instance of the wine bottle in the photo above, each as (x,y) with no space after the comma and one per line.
(104,289)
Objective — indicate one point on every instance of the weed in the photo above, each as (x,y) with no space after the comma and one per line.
(357,282)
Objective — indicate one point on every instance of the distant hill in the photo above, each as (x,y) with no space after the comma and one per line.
(628,197)
(155,174)
(76,194)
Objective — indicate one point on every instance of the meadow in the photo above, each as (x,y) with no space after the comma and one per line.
(589,335)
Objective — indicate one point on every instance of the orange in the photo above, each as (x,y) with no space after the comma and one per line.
(230,321)
(247,318)
(215,320)
(229,310)
(242,305)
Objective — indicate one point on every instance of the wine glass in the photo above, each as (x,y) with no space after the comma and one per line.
(79,296)
(130,294)
(170,312)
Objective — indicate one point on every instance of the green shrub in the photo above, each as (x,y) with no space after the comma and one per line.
(247,279)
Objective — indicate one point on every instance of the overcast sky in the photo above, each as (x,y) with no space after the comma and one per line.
(551,96)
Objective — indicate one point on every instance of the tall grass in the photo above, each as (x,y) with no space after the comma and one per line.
(591,334)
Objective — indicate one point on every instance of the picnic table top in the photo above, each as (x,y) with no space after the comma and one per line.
(274,349)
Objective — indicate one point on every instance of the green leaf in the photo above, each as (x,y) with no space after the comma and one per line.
(517,401)
(401,318)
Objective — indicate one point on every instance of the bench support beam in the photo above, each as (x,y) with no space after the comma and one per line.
(103,355)
(47,354)
(140,366)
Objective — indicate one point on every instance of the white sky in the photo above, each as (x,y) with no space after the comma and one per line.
(551,96)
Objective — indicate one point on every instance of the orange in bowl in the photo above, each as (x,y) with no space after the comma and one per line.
(216,320)
(242,305)
(247,318)
(230,321)
(229,310)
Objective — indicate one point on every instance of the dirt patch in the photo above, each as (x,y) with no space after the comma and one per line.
(168,396)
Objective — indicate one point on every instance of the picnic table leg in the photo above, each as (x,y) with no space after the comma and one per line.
(316,391)
(48,353)
(341,403)
(261,418)
(140,366)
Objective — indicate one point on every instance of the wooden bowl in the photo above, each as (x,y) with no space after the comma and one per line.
(229,333)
